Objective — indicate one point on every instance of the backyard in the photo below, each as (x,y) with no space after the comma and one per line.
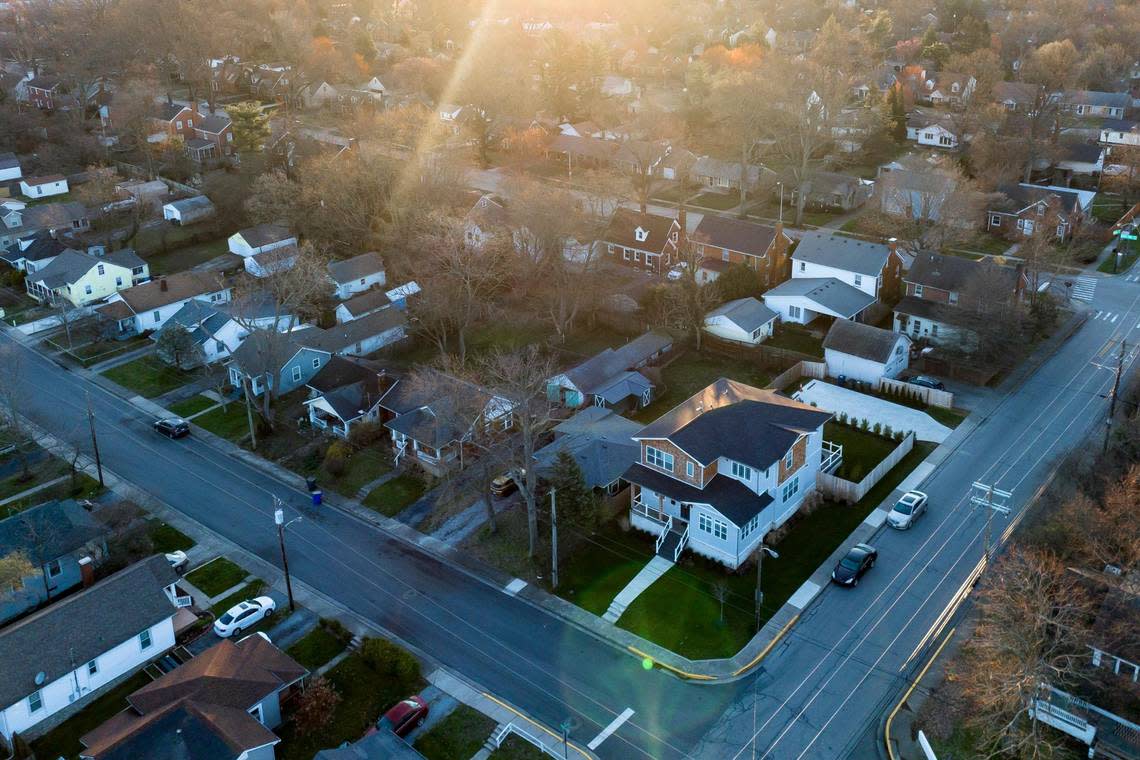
(795,338)
(862,449)
(148,376)
(63,740)
(693,371)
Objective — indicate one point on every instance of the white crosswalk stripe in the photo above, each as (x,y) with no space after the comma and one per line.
(1084,288)
(1114,318)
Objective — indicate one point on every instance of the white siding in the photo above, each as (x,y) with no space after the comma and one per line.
(858,368)
(722,327)
(782,306)
(867,283)
(346,290)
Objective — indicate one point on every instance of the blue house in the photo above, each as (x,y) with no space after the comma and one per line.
(53,537)
(275,359)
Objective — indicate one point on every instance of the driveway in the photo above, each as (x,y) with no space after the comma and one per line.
(859,405)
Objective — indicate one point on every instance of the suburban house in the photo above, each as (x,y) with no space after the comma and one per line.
(223,704)
(939,288)
(932,130)
(218,328)
(1112,132)
(718,174)
(486,219)
(346,391)
(318,94)
(81,279)
(874,268)
(434,416)
(946,88)
(864,352)
(213,137)
(1016,96)
(803,299)
(832,190)
(368,302)
(610,378)
(722,241)
(44,187)
(600,441)
(1024,208)
(916,194)
(188,210)
(174,120)
(44,92)
(10,170)
(260,239)
(745,320)
(360,336)
(57,659)
(724,468)
(55,537)
(147,306)
(279,359)
(1078,159)
(1112,105)
(357,274)
(271,262)
(34,253)
(642,241)
(50,218)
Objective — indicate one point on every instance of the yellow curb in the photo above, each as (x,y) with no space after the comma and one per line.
(764,652)
(678,671)
(538,725)
(913,686)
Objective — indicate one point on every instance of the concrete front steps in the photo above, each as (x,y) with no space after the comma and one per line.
(657,567)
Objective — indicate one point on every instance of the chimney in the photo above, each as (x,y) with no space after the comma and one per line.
(169,99)
(893,244)
(162,285)
(87,571)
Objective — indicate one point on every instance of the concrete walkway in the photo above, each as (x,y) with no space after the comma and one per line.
(861,406)
(645,578)
(368,488)
(34,490)
(123,358)
(458,528)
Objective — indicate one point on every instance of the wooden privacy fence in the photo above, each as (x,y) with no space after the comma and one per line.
(929,396)
(817,370)
(761,355)
(851,492)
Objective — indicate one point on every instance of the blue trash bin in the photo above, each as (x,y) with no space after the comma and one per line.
(317,498)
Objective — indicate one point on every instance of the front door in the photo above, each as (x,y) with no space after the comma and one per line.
(685,511)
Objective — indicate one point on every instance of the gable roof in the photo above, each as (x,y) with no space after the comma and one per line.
(170,289)
(49,530)
(602,367)
(735,234)
(264,234)
(355,268)
(1022,195)
(747,313)
(829,293)
(600,441)
(64,269)
(261,345)
(1020,93)
(366,302)
(728,418)
(347,334)
(954,273)
(726,495)
(80,627)
(169,111)
(45,179)
(865,341)
(52,215)
(43,247)
(842,252)
(192,203)
(213,124)
(340,371)
(624,223)
(1099,99)
(9,161)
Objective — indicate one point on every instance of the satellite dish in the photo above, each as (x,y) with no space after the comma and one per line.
(40,678)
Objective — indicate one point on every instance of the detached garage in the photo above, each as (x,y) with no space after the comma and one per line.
(862,352)
(188,210)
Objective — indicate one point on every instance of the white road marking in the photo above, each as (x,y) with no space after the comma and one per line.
(1114,318)
(515,586)
(1098,313)
(614,725)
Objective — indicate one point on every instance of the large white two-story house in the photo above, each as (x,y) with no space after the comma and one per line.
(725,467)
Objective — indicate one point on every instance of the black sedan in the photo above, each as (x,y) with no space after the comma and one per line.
(172,427)
(858,560)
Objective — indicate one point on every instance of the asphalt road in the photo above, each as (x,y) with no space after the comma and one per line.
(817,693)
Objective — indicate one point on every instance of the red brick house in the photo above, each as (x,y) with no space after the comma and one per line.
(722,242)
(642,241)
(213,137)
(176,120)
(1023,209)
(44,92)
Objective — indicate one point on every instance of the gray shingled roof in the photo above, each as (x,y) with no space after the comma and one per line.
(734,234)
(726,495)
(368,301)
(842,252)
(600,441)
(50,530)
(264,234)
(191,204)
(955,273)
(9,161)
(830,294)
(747,313)
(80,627)
(858,339)
(347,334)
(356,267)
(601,368)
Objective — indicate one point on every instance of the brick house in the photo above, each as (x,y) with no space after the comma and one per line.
(213,137)
(642,241)
(1022,209)
(722,242)
(725,467)
(44,92)
(175,120)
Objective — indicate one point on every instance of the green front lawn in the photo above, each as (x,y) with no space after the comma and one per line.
(147,376)
(692,372)
(981,243)
(191,406)
(254,588)
(364,466)
(86,487)
(39,473)
(862,450)
(458,736)
(231,422)
(1111,266)
(602,565)
(718,201)
(167,538)
(517,748)
(795,338)
(63,740)
(216,576)
(951,418)
(365,695)
(316,647)
(392,497)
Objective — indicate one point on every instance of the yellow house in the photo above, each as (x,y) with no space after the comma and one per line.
(81,278)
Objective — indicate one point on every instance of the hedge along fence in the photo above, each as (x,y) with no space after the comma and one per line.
(929,396)
(850,492)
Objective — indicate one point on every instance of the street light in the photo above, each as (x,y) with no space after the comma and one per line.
(279,519)
(760,552)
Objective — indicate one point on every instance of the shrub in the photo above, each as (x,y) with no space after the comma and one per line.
(865,424)
(316,706)
(842,420)
(336,458)
(888,432)
(387,659)
(364,434)
(878,428)
(337,629)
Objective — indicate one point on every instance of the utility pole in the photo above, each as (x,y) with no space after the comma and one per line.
(279,518)
(249,412)
(760,552)
(993,500)
(1112,398)
(94,440)
(553,541)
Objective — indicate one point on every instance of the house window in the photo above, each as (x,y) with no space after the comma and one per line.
(945,141)
(741,471)
(35,702)
(118,282)
(789,458)
(791,488)
(803,266)
(178,124)
(995,220)
(296,373)
(229,137)
(144,639)
(157,316)
(690,469)
(637,256)
(953,297)
(625,254)
(658,458)
(359,348)
(934,329)
(190,122)
(640,235)
(916,326)
(92,667)
(717,528)
(724,256)
(87,289)
(858,280)
(215,297)
(361,280)
(219,347)
(99,270)
(756,333)
(1040,209)
(794,312)
(54,569)
(317,363)
(918,290)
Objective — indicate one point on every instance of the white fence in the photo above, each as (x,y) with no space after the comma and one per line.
(503,731)
(929,396)
(851,492)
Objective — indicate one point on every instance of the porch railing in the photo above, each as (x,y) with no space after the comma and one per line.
(647,513)
(681,544)
(831,457)
(664,533)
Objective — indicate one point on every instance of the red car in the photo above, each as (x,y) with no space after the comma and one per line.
(406,715)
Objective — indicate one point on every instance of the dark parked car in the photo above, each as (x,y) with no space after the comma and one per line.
(406,715)
(860,558)
(172,427)
(927,382)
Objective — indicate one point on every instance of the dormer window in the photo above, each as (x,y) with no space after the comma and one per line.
(640,235)
(1040,209)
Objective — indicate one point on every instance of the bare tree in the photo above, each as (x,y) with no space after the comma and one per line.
(14,568)
(11,396)
(739,102)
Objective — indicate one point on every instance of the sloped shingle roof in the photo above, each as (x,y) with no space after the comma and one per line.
(865,341)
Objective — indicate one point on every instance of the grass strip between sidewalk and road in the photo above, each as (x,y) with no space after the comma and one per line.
(216,576)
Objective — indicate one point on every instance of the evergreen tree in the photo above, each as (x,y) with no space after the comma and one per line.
(576,502)
(896,107)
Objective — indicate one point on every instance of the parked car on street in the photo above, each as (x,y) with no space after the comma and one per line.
(172,427)
(404,716)
(859,559)
(244,615)
(927,382)
(907,509)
